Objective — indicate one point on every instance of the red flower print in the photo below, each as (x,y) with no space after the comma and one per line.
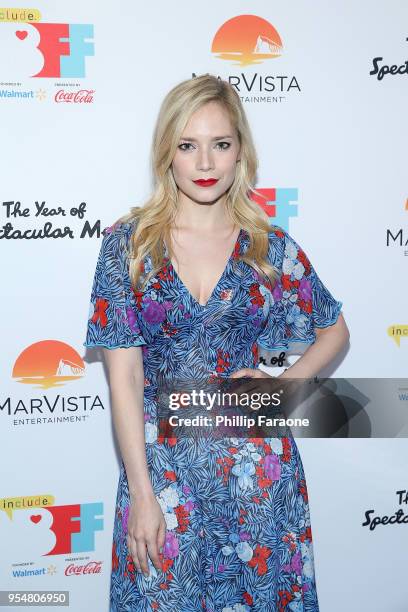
(225,464)
(169,329)
(170,475)
(286,455)
(248,598)
(115,560)
(261,478)
(255,353)
(226,294)
(261,554)
(302,257)
(256,296)
(222,361)
(165,274)
(164,430)
(284,598)
(182,518)
(100,312)
(167,564)
(303,490)
(130,568)
(305,306)
(257,441)
(286,282)
(232,450)
(138,298)
(278,233)
(306,535)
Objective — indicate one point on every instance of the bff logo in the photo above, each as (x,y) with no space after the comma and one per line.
(32,526)
(45,50)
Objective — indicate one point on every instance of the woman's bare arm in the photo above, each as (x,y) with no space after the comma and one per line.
(329,341)
(126,382)
(146,529)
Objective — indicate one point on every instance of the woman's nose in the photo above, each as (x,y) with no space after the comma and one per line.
(205,160)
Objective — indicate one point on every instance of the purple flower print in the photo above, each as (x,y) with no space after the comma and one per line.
(125,517)
(295,564)
(272,467)
(154,312)
(189,505)
(186,489)
(171,546)
(244,536)
(277,292)
(132,319)
(252,309)
(305,290)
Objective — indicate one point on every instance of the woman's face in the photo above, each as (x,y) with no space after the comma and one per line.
(208,149)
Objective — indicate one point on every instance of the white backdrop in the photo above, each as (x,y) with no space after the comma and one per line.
(337,141)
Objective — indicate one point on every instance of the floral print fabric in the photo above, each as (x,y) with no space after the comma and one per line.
(237,514)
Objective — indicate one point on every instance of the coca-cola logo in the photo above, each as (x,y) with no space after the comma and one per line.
(93,567)
(82,96)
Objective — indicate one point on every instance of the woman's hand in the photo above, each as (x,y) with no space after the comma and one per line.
(251,373)
(248,373)
(146,532)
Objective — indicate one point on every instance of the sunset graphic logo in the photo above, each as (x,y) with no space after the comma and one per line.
(245,40)
(48,364)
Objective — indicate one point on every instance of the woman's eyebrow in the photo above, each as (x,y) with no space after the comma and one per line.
(194,140)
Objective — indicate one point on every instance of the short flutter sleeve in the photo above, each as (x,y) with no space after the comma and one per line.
(300,302)
(113,319)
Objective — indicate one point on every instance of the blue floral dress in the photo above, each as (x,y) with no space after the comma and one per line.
(238,533)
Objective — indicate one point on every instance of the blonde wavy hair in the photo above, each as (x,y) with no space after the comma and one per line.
(155,217)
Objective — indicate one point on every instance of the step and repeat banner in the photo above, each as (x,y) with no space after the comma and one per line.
(325,89)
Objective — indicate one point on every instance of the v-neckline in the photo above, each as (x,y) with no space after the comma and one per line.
(212,294)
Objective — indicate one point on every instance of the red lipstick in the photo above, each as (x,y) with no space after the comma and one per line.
(206,182)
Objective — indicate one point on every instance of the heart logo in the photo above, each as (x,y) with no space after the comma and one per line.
(35,518)
(21,34)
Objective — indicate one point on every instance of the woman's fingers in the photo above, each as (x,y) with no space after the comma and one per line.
(131,544)
(142,554)
(153,552)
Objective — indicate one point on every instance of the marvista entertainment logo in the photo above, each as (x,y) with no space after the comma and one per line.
(247,39)
(47,364)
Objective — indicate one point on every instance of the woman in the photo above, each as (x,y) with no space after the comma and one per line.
(188,286)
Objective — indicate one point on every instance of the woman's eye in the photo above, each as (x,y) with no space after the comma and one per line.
(228,144)
(184,144)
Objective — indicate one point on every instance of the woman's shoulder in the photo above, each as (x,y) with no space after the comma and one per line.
(119,228)
(283,247)
(119,233)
